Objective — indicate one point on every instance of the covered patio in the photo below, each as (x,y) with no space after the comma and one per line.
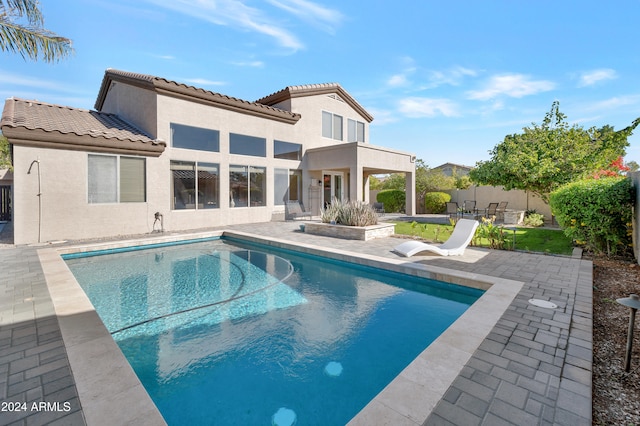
(344,170)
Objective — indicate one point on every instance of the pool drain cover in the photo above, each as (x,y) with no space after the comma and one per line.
(543,303)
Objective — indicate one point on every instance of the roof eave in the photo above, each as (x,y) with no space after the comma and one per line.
(189,93)
(23,136)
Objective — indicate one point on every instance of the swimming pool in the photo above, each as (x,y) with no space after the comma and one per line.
(315,338)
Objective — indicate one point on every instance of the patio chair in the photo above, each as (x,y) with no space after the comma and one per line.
(502,207)
(462,234)
(469,206)
(453,211)
(378,208)
(490,211)
(295,210)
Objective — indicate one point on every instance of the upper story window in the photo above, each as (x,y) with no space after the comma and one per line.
(247,145)
(116,179)
(287,150)
(190,137)
(355,131)
(331,125)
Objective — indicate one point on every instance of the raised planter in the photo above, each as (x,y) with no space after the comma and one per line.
(364,233)
(514,217)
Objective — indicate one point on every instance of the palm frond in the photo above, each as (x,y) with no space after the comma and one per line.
(22,8)
(33,42)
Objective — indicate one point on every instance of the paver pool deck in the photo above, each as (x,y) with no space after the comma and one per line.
(533,367)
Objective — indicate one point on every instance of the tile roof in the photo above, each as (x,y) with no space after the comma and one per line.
(191,93)
(313,90)
(29,122)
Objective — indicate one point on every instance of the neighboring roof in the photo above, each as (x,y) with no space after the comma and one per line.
(191,93)
(35,123)
(459,166)
(313,90)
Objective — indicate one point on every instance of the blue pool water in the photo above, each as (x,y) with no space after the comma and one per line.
(233,334)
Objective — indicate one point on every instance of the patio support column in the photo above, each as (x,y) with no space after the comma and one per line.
(410,191)
(365,189)
(355,183)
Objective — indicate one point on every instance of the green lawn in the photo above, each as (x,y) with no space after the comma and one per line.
(529,239)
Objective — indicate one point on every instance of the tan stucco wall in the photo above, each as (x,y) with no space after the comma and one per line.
(133,104)
(6,177)
(517,200)
(67,215)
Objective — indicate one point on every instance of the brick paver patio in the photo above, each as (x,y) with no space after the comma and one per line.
(534,367)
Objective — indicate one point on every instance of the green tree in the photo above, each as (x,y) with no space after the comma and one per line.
(5,153)
(374,183)
(394,181)
(633,166)
(547,156)
(22,31)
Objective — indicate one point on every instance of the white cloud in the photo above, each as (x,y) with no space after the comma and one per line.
(314,13)
(254,64)
(592,77)
(416,107)
(397,80)
(204,82)
(233,13)
(382,116)
(512,85)
(613,103)
(11,79)
(452,76)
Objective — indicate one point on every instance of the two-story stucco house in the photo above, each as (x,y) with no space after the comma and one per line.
(198,158)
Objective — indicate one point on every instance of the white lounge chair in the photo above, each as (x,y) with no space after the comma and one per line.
(454,246)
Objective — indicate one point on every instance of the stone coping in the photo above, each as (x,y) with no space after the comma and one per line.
(106,382)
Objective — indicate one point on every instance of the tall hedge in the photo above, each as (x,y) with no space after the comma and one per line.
(596,213)
(436,202)
(394,200)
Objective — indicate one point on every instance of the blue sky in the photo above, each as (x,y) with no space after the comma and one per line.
(445,80)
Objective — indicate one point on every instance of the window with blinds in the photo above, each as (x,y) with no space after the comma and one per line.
(116,179)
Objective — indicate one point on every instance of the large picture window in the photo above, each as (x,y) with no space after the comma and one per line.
(113,179)
(195,185)
(190,137)
(331,125)
(287,150)
(355,131)
(287,186)
(247,145)
(247,186)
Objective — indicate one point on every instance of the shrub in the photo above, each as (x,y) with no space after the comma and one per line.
(436,202)
(494,235)
(394,200)
(596,213)
(351,213)
(534,219)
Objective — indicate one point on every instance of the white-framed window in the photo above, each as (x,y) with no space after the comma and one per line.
(247,186)
(287,186)
(355,131)
(116,179)
(195,185)
(331,125)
